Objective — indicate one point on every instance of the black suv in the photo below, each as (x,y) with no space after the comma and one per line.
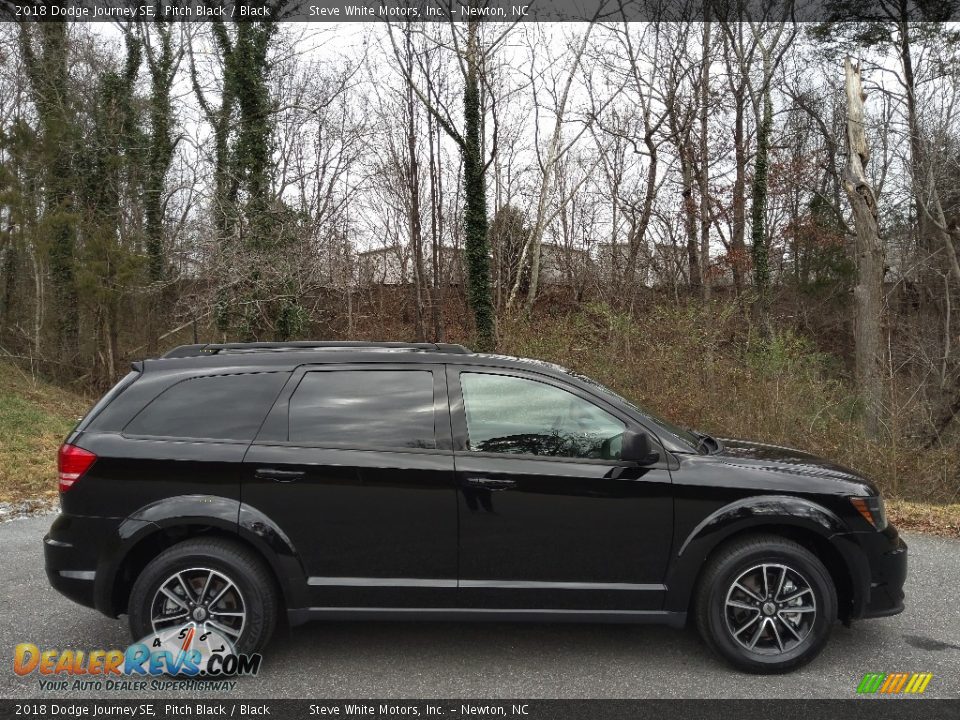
(222,484)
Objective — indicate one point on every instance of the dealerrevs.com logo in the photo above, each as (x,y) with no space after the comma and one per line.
(190,652)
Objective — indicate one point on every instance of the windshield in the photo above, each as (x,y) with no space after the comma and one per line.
(684,436)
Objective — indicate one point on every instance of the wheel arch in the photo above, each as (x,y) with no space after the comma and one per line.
(153,529)
(808,524)
(818,545)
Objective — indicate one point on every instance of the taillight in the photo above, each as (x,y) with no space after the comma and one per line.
(72,463)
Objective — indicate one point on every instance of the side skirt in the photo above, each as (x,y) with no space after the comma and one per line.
(657,617)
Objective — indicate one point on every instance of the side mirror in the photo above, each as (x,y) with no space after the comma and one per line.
(638,448)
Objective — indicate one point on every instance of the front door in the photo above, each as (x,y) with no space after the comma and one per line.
(550,518)
(355,466)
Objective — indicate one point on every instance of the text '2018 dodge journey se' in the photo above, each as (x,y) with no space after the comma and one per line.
(222,484)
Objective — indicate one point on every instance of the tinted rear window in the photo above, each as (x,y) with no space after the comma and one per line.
(221,407)
(102,403)
(364,408)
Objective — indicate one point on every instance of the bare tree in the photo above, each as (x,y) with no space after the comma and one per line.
(868,294)
(472,56)
(548,162)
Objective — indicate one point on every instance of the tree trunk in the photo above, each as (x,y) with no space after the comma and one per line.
(244,211)
(704,178)
(10,262)
(436,237)
(161,64)
(47,73)
(737,243)
(759,248)
(913,129)
(160,151)
(416,232)
(535,242)
(685,155)
(475,191)
(441,275)
(868,293)
(638,229)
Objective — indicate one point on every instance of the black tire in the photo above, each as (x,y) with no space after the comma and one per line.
(240,565)
(779,648)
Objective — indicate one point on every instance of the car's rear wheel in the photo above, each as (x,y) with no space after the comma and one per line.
(214,585)
(766,604)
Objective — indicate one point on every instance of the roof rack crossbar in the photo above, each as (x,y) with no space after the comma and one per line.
(184,351)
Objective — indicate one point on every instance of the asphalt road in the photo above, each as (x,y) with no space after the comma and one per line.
(480,660)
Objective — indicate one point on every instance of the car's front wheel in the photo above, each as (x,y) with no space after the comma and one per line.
(766,604)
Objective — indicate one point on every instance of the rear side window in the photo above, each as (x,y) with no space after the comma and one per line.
(220,407)
(102,403)
(364,408)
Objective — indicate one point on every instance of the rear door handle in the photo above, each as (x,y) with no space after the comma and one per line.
(490,483)
(279,475)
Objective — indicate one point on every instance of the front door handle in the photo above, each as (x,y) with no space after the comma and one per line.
(490,483)
(279,475)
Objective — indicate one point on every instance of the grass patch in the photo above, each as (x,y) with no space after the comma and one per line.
(941,520)
(34,419)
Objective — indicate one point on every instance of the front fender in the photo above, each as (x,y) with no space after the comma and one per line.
(743,514)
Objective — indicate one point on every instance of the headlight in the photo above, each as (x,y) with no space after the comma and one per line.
(872,509)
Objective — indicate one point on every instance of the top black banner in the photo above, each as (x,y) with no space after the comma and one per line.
(509,11)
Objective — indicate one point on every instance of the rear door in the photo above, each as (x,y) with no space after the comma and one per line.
(354,463)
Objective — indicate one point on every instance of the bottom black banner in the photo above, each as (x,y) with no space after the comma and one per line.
(872,709)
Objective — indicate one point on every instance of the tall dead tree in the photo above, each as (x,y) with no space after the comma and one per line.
(868,293)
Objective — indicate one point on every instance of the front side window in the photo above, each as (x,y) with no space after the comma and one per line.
(220,407)
(364,408)
(518,416)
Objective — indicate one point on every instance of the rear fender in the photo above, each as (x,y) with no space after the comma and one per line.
(192,512)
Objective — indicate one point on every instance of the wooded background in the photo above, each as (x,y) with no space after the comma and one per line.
(751,227)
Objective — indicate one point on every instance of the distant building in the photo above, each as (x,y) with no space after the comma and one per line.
(669,265)
(453,267)
(665,266)
(561,265)
(383,266)
(337,268)
(393,265)
(612,260)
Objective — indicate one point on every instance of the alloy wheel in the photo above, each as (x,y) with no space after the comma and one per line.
(204,597)
(770,609)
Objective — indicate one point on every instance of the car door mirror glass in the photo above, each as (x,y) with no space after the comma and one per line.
(637,447)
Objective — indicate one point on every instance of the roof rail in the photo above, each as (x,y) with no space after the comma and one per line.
(184,351)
